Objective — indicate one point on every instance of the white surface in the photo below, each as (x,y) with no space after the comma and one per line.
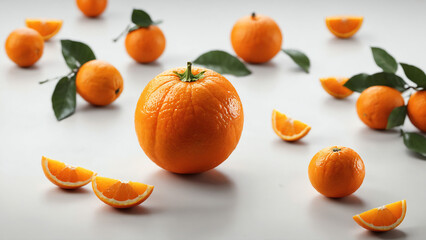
(262,191)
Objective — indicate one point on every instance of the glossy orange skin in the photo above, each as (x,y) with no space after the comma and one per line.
(376,103)
(416,109)
(99,82)
(92,8)
(24,46)
(145,45)
(189,127)
(336,171)
(256,39)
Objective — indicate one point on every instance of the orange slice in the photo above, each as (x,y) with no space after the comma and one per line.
(383,218)
(65,176)
(120,194)
(46,27)
(287,128)
(334,87)
(344,26)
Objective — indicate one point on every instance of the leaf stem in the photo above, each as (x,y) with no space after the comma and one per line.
(69,75)
(126,30)
(253,15)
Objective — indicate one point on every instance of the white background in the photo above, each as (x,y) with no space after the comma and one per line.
(262,191)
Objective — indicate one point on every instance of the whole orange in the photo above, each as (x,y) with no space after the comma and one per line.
(92,8)
(256,38)
(189,120)
(99,82)
(146,44)
(336,171)
(376,103)
(24,46)
(416,109)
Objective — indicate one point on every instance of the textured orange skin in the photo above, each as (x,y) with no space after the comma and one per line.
(92,8)
(145,45)
(99,82)
(344,26)
(416,109)
(376,103)
(336,174)
(189,127)
(256,39)
(24,46)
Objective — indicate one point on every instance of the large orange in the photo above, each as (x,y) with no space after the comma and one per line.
(416,109)
(336,171)
(92,8)
(99,82)
(256,38)
(376,103)
(24,46)
(146,44)
(190,123)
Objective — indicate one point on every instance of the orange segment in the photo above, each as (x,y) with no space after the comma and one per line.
(383,218)
(344,26)
(65,176)
(287,128)
(334,87)
(120,194)
(46,27)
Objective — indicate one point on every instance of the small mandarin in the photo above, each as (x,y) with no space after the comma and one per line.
(416,109)
(92,8)
(145,45)
(24,46)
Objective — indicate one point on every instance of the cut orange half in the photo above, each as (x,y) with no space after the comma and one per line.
(334,87)
(46,27)
(383,218)
(120,194)
(344,26)
(287,128)
(65,176)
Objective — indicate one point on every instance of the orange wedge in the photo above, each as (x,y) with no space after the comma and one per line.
(334,87)
(344,26)
(383,218)
(65,176)
(287,128)
(120,194)
(46,27)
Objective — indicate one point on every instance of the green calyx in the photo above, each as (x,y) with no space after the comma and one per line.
(336,149)
(187,76)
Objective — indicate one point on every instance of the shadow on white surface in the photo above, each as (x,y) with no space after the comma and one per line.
(136,210)
(59,195)
(393,234)
(415,155)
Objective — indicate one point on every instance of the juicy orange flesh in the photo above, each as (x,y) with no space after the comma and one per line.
(288,126)
(45,27)
(66,173)
(383,216)
(119,191)
(344,24)
(334,86)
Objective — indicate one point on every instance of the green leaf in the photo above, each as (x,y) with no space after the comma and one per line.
(358,83)
(415,74)
(415,142)
(76,53)
(64,98)
(141,18)
(387,79)
(299,58)
(384,60)
(397,117)
(222,62)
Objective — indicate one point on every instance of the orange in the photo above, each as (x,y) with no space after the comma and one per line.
(416,109)
(92,8)
(24,46)
(376,103)
(99,82)
(344,26)
(65,176)
(189,120)
(120,194)
(334,87)
(336,171)
(46,27)
(146,44)
(383,218)
(287,128)
(256,38)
